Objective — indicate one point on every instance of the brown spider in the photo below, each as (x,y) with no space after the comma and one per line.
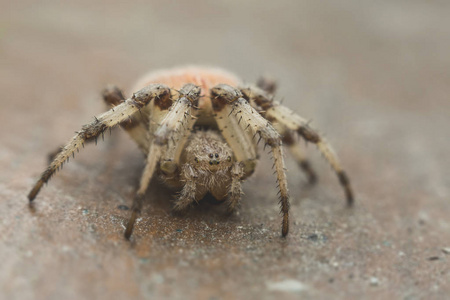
(200,143)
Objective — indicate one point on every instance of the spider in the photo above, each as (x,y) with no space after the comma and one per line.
(202,143)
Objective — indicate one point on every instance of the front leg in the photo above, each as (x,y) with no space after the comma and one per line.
(231,100)
(179,120)
(91,131)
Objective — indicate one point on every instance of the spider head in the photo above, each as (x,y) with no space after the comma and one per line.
(208,151)
(213,159)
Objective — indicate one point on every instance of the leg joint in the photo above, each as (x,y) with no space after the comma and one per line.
(309,134)
(258,96)
(112,95)
(272,142)
(93,130)
(153,91)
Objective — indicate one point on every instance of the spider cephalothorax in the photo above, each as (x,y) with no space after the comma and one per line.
(202,144)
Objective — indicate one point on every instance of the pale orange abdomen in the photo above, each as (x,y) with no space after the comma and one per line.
(175,78)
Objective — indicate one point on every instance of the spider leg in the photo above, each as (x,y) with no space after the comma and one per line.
(137,125)
(227,98)
(239,140)
(269,85)
(273,110)
(102,122)
(170,159)
(294,147)
(112,96)
(235,189)
(177,121)
(242,145)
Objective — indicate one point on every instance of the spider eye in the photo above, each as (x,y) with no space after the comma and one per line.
(229,158)
(196,160)
(211,155)
(217,155)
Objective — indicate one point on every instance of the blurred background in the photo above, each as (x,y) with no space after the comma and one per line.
(374,77)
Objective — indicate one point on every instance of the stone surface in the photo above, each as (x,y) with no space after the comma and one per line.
(373,76)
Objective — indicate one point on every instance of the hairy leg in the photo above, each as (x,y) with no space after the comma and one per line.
(294,147)
(273,110)
(239,140)
(102,122)
(137,125)
(179,119)
(269,85)
(235,189)
(113,96)
(230,99)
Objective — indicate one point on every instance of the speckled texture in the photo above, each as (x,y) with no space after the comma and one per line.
(374,77)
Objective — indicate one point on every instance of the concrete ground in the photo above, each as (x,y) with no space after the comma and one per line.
(373,76)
